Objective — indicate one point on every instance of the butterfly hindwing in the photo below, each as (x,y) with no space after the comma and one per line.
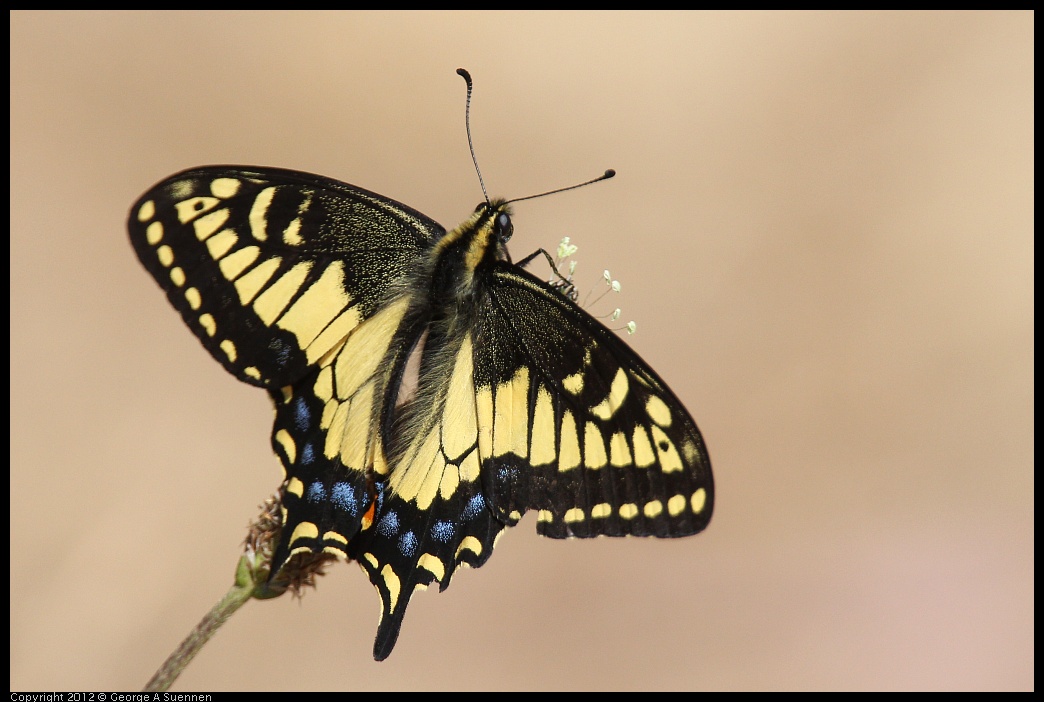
(327,433)
(432,513)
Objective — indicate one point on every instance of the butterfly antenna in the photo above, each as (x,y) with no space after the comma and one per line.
(605,176)
(467,123)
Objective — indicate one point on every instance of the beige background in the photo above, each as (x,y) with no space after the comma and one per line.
(823,225)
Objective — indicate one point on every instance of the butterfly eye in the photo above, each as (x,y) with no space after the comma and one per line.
(503,226)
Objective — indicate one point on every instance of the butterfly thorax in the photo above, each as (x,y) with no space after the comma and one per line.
(460,257)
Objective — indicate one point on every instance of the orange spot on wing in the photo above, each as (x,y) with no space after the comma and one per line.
(367,519)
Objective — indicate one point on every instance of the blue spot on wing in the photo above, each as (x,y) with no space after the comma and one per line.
(281,351)
(474,506)
(316,492)
(442,530)
(302,415)
(389,524)
(408,544)
(343,495)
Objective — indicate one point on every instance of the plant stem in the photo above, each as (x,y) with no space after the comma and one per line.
(235,598)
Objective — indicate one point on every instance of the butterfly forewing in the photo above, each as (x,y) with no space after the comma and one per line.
(606,448)
(271,268)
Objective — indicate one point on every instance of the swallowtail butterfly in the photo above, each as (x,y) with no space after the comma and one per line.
(320,292)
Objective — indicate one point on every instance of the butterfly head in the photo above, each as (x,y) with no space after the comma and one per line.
(498,213)
(483,235)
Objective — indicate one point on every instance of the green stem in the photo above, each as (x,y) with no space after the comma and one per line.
(235,598)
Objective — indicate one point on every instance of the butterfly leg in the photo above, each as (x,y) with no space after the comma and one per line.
(564,283)
(528,259)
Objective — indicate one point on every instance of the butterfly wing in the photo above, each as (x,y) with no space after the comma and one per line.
(431,513)
(271,268)
(574,424)
(295,283)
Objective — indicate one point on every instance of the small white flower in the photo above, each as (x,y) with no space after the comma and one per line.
(565,249)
